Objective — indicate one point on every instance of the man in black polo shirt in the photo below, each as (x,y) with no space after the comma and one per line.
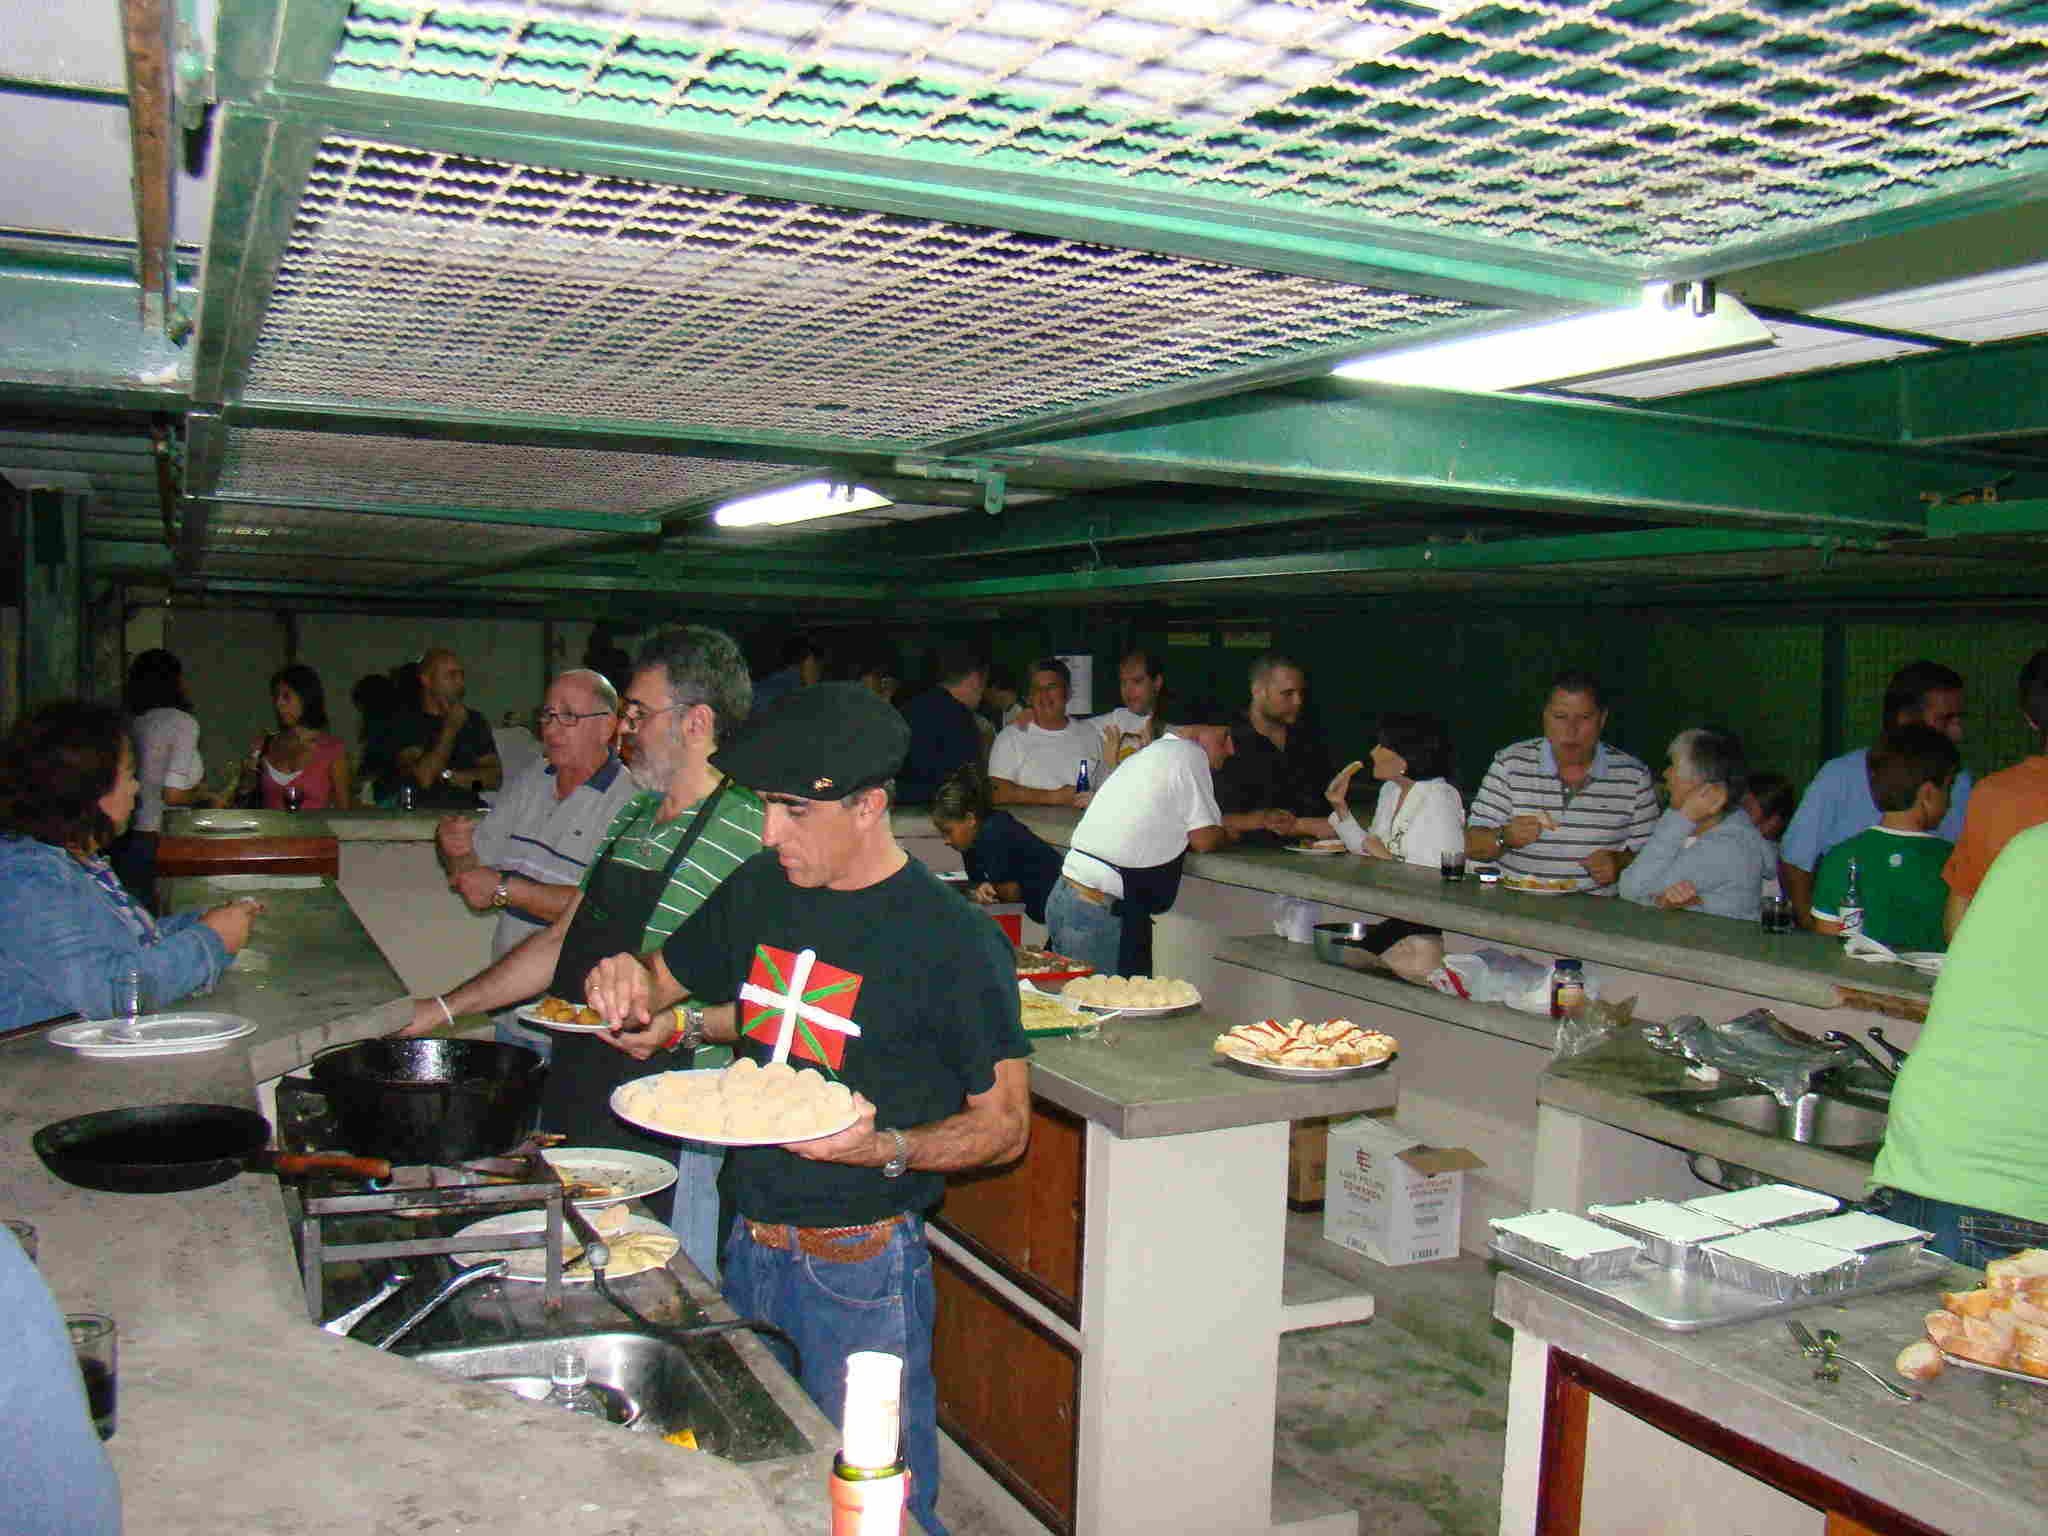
(442,746)
(1279,764)
(907,995)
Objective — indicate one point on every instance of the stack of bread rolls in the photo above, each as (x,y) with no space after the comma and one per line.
(2004,1323)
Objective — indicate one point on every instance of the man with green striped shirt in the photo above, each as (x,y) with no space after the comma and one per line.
(667,849)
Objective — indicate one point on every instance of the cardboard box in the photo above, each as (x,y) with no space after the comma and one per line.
(1389,1196)
(1308,1153)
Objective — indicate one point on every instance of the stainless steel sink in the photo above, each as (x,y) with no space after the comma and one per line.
(651,1385)
(1843,1122)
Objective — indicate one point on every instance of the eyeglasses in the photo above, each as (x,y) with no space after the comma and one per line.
(633,712)
(567,717)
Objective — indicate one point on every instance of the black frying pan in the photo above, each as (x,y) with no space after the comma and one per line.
(154,1149)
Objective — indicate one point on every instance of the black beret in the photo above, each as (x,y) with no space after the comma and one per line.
(822,742)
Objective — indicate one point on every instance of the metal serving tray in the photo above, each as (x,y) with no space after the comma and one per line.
(1685,1302)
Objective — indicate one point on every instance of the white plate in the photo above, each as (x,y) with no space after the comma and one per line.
(1547,887)
(1317,849)
(225,823)
(1270,1069)
(532,1263)
(1129,1012)
(634,1175)
(1994,1370)
(713,1141)
(163,1034)
(531,1014)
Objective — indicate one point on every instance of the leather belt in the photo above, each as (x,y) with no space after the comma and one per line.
(835,1245)
(1089,893)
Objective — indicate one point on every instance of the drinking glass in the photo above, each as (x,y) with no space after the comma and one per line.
(92,1340)
(292,797)
(1452,863)
(1775,916)
(408,797)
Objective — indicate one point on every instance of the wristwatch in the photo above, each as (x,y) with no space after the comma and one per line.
(898,1165)
(689,1028)
(502,896)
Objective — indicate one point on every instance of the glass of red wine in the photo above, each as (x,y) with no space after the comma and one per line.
(92,1339)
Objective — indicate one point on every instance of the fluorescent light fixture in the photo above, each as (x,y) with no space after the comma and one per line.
(797,504)
(1581,347)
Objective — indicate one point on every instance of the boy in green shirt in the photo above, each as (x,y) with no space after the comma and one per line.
(1898,861)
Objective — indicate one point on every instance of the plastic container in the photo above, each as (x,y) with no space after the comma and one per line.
(1670,1234)
(569,1387)
(1567,1245)
(1567,987)
(1774,1263)
(1884,1248)
(1766,1205)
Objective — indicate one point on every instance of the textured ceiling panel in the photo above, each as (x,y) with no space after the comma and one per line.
(285,532)
(333,466)
(1641,128)
(422,278)
(386,573)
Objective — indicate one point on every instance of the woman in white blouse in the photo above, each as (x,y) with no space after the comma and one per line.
(1420,814)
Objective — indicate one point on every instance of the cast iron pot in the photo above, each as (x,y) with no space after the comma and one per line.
(155,1149)
(431,1101)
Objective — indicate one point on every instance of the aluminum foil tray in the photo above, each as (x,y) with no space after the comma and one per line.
(1683,1301)
(1661,1247)
(1609,1264)
(1727,1262)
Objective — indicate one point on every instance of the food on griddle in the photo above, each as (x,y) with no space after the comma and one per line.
(744,1102)
(1297,1043)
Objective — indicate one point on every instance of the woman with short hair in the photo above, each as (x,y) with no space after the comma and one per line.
(1419,815)
(68,930)
(1705,854)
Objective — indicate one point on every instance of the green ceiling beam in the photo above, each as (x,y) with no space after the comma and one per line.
(434,424)
(687,584)
(1996,389)
(1078,521)
(1335,249)
(510,517)
(1337,438)
(79,337)
(1506,555)
(1979,519)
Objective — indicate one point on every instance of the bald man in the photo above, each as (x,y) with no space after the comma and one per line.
(444,749)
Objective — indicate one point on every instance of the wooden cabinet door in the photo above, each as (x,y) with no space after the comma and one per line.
(1025,1219)
(1007,1392)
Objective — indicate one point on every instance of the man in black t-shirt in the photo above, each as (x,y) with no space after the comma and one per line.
(888,982)
(1278,763)
(443,747)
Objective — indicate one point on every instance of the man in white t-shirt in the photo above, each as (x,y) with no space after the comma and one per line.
(1131,725)
(1124,863)
(1036,761)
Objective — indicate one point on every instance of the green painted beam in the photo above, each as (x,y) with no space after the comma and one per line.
(1996,389)
(688,584)
(510,517)
(63,90)
(83,334)
(1977,519)
(1338,438)
(1506,555)
(433,424)
(1232,233)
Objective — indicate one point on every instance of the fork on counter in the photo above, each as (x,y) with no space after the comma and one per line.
(1830,1361)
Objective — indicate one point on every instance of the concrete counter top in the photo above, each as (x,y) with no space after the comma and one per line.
(1969,1459)
(366,824)
(1149,1077)
(234,1412)
(1795,968)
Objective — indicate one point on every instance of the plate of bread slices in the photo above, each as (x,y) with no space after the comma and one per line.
(2000,1328)
(1300,1049)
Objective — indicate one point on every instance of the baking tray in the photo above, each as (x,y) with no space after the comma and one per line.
(1685,1302)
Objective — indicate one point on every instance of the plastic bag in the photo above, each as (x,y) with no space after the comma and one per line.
(1495,976)
(1590,1028)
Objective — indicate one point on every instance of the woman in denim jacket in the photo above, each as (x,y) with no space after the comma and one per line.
(68,931)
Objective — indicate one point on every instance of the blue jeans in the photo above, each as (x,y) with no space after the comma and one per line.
(1082,930)
(883,1303)
(1961,1232)
(696,1209)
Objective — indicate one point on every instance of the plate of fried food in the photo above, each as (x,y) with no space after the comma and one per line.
(1299,1049)
(1541,885)
(637,1244)
(1317,845)
(743,1105)
(562,1016)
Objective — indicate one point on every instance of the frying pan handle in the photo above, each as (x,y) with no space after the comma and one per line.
(330,1162)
